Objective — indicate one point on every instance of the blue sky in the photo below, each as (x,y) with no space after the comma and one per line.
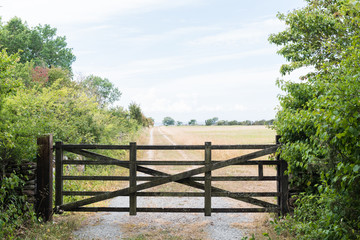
(188,59)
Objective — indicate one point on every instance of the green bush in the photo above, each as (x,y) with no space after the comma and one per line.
(319,118)
(14,210)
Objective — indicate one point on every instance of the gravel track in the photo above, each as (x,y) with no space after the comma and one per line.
(166,225)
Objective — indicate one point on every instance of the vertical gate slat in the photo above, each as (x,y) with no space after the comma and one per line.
(208,179)
(278,175)
(261,171)
(132,173)
(58,174)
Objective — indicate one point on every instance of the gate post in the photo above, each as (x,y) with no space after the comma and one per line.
(282,183)
(132,173)
(284,191)
(207,179)
(44,177)
(58,174)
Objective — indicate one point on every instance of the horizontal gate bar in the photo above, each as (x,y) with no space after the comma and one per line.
(150,162)
(174,210)
(140,178)
(180,194)
(164,147)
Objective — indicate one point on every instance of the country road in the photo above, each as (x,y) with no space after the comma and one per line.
(167,225)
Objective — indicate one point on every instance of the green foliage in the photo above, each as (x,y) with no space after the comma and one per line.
(168,121)
(211,121)
(245,123)
(102,89)
(192,122)
(137,115)
(7,87)
(39,44)
(319,118)
(316,34)
(7,65)
(14,210)
(179,123)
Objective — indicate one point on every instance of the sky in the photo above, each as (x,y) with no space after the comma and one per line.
(186,59)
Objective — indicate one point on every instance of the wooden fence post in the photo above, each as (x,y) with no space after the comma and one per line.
(44,177)
(284,191)
(58,174)
(208,179)
(282,183)
(132,173)
(278,173)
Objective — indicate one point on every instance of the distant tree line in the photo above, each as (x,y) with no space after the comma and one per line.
(246,122)
(168,121)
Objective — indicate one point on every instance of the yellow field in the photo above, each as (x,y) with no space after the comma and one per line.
(193,135)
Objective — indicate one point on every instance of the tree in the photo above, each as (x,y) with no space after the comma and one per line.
(211,121)
(192,122)
(316,34)
(7,83)
(319,118)
(136,113)
(102,89)
(168,121)
(39,44)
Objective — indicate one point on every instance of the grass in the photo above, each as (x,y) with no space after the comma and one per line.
(60,229)
(167,231)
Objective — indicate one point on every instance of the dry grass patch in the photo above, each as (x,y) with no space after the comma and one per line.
(164,230)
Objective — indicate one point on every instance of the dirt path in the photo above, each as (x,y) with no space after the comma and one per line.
(166,225)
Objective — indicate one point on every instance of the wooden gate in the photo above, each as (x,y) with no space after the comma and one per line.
(157,178)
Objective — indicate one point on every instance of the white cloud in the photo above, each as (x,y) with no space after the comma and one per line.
(251,33)
(80,11)
(139,68)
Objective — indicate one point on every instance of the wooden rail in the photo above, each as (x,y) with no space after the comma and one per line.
(158,178)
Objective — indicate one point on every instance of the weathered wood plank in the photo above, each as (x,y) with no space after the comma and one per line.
(58,174)
(165,147)
(207,179)
(93,162)
(94,146)
(261,171)
(284,191)
(240,178)
(174,210)
(179,194)
(96,178)
(132,182)
(156,163)
(44,195)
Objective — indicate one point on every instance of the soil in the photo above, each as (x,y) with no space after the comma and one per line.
(170,225)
